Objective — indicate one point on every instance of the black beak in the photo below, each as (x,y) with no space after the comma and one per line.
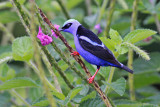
(60,30)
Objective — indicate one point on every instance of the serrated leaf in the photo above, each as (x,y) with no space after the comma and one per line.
(89,96)
(19,82)
(111,44)
(6,73)
(41,102)
(6,56)
(138,35)
(97,102)
(22,49)
(58,95)
(115,36)
(72,94)
(118,86)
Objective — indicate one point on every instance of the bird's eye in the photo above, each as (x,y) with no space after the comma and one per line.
(67,26)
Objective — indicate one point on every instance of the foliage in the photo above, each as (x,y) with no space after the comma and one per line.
(20,72)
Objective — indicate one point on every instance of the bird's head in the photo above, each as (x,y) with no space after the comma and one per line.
(70,26)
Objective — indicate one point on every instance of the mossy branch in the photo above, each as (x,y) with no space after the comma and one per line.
(77,58)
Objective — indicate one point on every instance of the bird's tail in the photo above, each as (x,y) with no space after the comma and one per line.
(127,69)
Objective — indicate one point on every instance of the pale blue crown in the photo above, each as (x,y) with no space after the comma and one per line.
(69,21)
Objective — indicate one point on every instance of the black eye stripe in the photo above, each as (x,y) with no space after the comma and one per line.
(67,26)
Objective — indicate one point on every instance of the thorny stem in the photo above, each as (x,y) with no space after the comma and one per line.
(49,67)
(109,18)
(24,22)
(77,58)
(130,53)
(14,93)
(64,9)
(38,59)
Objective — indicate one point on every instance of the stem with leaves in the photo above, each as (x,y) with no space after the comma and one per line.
(38,58)
(109,18)
(77,58)
(130,53)
(64,9)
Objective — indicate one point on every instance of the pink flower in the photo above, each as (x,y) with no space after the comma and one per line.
(98,27)
(53,33)
(45,39)
(147,39)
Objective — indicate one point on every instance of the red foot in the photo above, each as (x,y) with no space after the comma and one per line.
(75,53)
(90,80)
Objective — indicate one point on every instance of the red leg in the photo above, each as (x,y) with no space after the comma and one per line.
(75,53)
(92,78)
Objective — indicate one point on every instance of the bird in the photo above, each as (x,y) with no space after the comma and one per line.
(91,48)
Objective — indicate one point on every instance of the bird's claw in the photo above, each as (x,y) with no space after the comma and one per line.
(90,80)
(75,53)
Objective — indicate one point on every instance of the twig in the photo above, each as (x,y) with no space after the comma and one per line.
(77,58)
(130,53)
(64,9)
(109,18)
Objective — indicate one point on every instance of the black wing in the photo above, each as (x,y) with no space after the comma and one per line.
(99,51)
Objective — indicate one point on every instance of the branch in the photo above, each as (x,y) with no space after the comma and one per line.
(77,58)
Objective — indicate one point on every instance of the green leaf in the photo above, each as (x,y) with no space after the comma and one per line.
(19,82)
(138,35)
(115,36)
(141,80)
(118,86)
(41,102)
(111,44)
(89,96)
(138,105)
(97,102)
(6,56)
(22,49)
(72,94)
(140,66)
(8,16)
(6,73)
(58,95)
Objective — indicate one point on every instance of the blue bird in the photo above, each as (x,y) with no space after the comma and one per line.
(90,47)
